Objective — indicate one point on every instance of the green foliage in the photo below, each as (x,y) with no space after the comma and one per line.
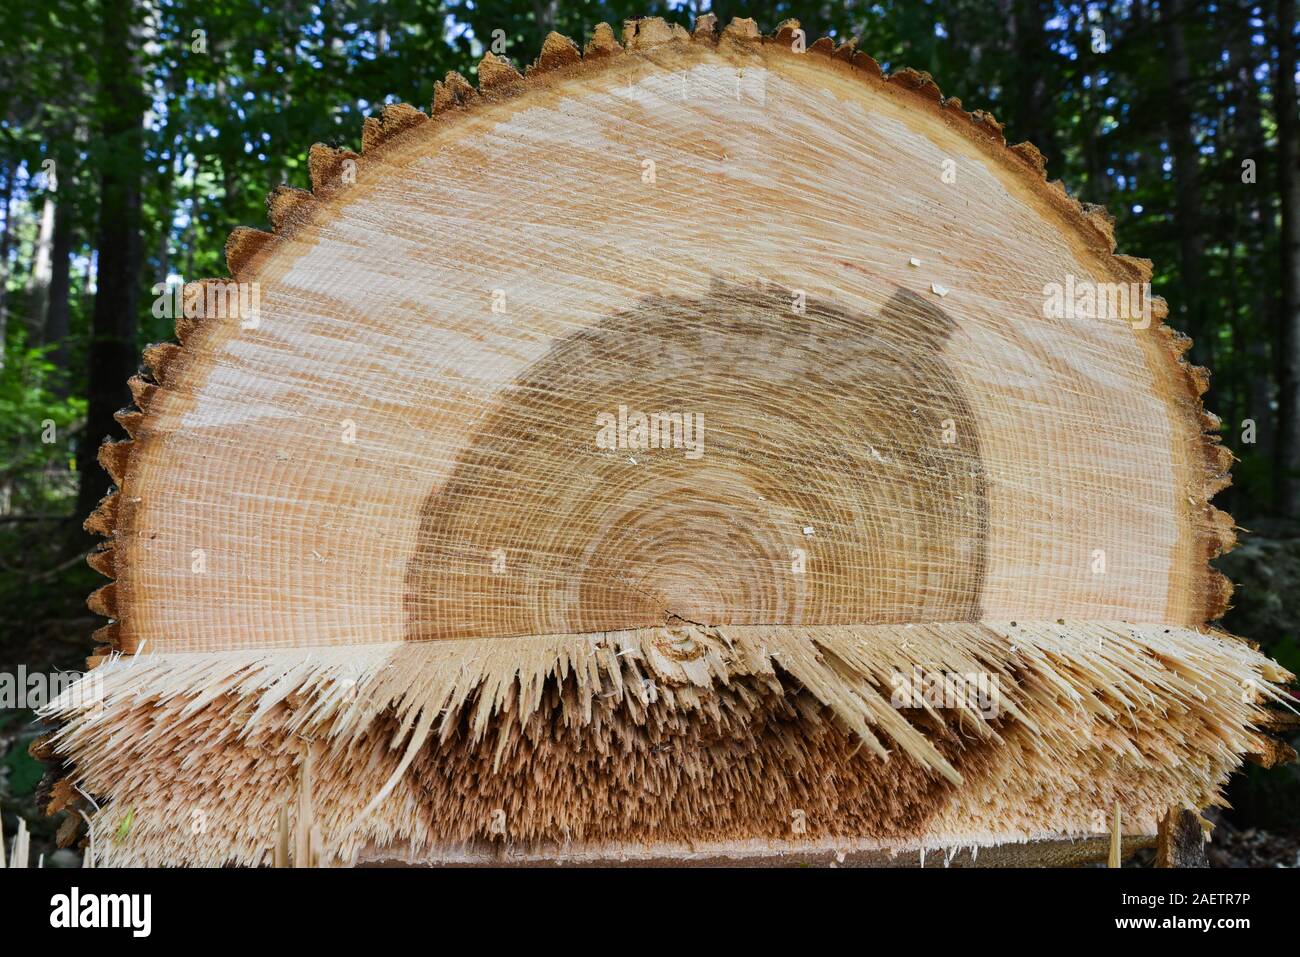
(1287,654)
(24,771)
(35,426)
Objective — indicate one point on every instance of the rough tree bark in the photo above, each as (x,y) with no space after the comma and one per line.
(1180,841)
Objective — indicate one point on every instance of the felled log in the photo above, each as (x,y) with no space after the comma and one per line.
(647,456)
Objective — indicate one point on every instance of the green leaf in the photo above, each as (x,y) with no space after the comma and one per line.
(124,828)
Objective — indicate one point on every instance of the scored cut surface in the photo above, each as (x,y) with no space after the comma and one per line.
(413,541)
(379,312)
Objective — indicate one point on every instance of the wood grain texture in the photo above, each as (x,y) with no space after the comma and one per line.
(397,471)
(379,312)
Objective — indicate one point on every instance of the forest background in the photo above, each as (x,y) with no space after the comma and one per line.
(136,134)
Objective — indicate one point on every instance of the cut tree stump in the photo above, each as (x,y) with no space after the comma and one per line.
(701,445)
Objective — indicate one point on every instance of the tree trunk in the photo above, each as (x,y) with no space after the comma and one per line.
(1257,207)
(57,309)
(112,352)
(6,237)
(1182,139)
(1029,43)
(1094,158)
(38,283)
(1288,355)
